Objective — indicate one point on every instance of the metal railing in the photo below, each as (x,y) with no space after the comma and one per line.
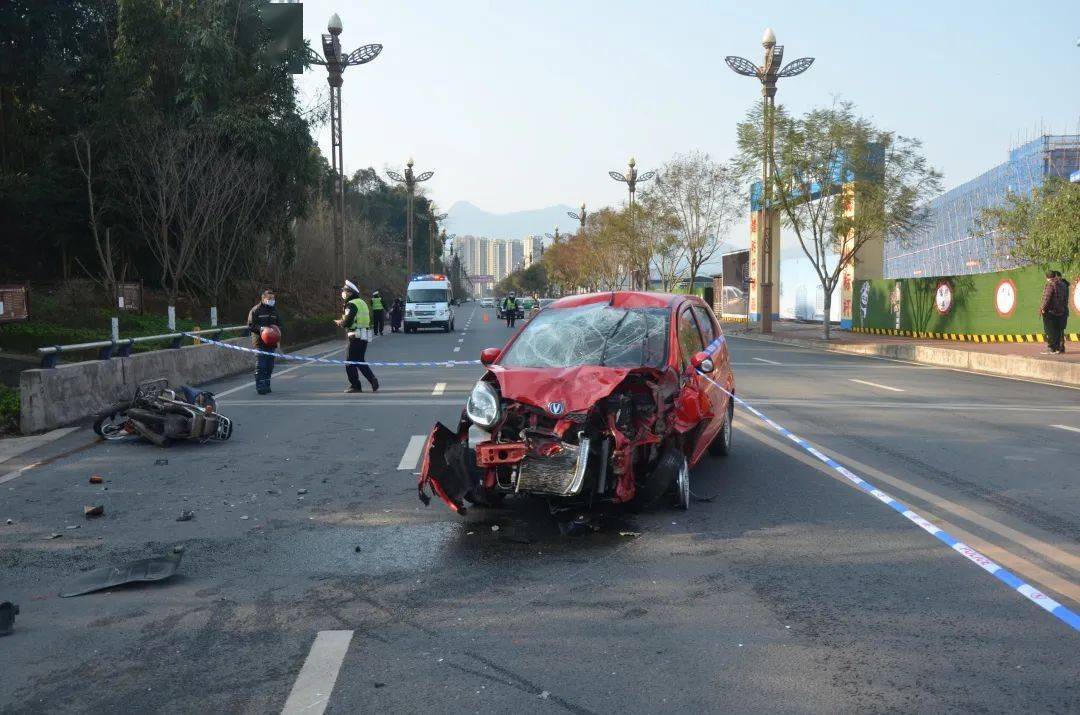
(108,349)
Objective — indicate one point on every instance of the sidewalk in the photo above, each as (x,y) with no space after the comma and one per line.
(1020,360)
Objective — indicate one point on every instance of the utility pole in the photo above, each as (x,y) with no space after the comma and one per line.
(433,219)
(410,180)
(335,63)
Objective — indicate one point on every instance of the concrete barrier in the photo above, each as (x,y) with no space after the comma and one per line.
(65,394)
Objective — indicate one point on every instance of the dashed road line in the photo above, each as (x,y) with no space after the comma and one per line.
(440,387)
(1067,427)
(874,384)
(457,349)
(767,362)
(412,452)
(311,691)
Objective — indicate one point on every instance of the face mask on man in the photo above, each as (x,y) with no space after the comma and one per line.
(269,302)
(344,295)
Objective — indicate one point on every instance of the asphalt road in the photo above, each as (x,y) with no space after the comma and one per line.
(789,591)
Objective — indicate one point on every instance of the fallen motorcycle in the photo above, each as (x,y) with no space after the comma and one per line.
(162,414)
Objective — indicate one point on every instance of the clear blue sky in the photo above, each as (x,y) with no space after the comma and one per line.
(519,105)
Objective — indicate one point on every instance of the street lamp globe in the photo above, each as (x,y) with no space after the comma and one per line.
(334,25)
(632,162)
(769,38)
(409,163)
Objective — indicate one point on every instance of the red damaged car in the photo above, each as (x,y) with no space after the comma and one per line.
(599,399)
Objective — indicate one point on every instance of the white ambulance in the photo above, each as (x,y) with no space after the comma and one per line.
(429,303)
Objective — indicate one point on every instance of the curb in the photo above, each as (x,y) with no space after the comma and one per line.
(1015,366)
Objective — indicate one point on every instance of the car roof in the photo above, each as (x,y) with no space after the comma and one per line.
(622,299)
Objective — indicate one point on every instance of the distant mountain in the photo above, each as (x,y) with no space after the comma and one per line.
(467,219)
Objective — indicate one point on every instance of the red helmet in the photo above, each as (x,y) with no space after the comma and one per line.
(270,336)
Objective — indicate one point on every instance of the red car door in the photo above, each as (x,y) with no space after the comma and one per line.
(695,407)
(717,348)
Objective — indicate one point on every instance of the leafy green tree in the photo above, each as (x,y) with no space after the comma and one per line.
(1043,227)
(840,182)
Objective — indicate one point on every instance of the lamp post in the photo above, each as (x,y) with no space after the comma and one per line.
(631,180)
(335,63)
(768,74)
(410,180)
(580,217)
(433,219)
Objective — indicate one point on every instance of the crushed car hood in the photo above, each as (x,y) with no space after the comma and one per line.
(577,388)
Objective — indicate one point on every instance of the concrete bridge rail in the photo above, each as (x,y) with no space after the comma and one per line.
(65,394)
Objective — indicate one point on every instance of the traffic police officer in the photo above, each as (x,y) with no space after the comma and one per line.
(377,312)
(510,308)
(357,321)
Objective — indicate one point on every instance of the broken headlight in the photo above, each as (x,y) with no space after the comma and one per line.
(483,406)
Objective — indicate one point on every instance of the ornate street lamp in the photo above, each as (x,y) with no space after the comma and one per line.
(631,179)
(768,74)
(580,217)
(410,180)
(335,63)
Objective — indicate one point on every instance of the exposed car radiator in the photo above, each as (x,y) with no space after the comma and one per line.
(561,473)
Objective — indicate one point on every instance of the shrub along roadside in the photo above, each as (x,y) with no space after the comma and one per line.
(9,409)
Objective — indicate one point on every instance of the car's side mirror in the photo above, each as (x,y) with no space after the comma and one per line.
(489,355)
(702,363)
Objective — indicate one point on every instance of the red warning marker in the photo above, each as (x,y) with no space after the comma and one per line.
(486,318)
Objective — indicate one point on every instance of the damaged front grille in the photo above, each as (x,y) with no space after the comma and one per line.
(560,473)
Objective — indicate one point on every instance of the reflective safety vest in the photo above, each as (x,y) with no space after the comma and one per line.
(362,319)
(376,302)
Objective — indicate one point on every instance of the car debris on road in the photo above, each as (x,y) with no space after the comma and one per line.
(143,570)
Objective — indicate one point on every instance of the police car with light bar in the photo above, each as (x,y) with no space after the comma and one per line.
(429,303)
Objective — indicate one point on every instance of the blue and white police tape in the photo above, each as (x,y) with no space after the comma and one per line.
(1029,592)
(331,361)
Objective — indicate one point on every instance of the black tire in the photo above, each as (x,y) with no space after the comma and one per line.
(659,480)
(446,327)
(721,444)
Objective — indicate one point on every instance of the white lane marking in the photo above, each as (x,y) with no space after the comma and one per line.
(768,362)
(11,475)
(247,385)
(311,691)
(412,452)
(457,349)
(874,384)
(1067,427)
(440,387)
(461,340)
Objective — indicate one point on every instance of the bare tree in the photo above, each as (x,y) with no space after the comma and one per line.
(158,171)
(231,197)
(702,195)
(840,183)
(107,255)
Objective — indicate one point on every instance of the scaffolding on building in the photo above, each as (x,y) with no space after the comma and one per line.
(952,242)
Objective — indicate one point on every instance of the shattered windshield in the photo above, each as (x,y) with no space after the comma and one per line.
(594,334)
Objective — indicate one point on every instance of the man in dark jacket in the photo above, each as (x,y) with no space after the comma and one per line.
(1063,327)
(263,315)
(1055,302)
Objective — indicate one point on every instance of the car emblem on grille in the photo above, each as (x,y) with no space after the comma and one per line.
(556,408)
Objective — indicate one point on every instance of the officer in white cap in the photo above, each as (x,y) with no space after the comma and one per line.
(357,322)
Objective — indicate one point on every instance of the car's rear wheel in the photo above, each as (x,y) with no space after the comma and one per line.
(721,444)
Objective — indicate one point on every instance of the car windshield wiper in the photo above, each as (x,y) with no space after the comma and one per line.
(618,324)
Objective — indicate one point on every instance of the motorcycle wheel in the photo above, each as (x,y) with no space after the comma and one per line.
(109,424)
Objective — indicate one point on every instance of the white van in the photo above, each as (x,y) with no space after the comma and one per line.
(429,303)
